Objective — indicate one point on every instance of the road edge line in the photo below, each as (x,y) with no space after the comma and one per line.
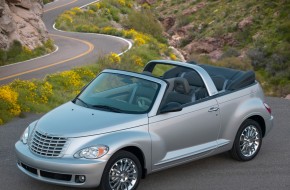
(120,38)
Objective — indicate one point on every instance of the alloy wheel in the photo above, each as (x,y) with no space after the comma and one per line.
(123,174)
(249,141)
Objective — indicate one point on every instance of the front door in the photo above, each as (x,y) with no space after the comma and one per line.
(184,135)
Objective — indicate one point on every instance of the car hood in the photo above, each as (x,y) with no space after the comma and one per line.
(71,120)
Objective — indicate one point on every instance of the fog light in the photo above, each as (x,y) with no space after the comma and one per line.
(80,178)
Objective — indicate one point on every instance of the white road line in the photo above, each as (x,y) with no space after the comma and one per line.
(117,37)
(88,4)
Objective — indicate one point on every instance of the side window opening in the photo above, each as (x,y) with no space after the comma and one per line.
(185,85)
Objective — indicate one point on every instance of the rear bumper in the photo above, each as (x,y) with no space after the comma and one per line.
(61,171)
(269,125)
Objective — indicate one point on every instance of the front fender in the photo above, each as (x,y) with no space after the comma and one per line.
(136,137)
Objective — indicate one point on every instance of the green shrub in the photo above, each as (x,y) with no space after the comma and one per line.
(145,22)
(184,20)
(47,1)
(231,52)
(17,52)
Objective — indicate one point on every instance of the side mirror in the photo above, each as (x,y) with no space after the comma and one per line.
(171,107)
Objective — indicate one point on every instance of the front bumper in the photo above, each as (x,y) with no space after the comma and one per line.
(61,171)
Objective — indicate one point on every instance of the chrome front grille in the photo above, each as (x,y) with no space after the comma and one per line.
(47,145)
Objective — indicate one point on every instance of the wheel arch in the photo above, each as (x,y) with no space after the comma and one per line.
(140,155)
(259,119)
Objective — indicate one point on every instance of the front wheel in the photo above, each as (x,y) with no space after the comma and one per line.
(122,172)
(248,141)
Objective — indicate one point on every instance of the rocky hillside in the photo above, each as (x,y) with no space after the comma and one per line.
(246,34)
(20,20)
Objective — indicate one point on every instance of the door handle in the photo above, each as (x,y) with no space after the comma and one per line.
(212,109)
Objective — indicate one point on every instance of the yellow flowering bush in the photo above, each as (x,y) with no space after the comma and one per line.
(130,33)
(122,2)
(138,61)
(94,7)
(26,50)
(99,5)
(8,102)
(69,81)
(85,73)
(139,41)
(45,92)
(77,10)
(114,58)
(90,12)
(67,18)
(70,13)
(172,56)
(129,4)
(31,93)
(108,30)
(106,12)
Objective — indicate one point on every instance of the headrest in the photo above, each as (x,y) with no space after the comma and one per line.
(181,85)
(193,79)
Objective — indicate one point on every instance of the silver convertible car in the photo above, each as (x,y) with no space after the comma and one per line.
(125,125)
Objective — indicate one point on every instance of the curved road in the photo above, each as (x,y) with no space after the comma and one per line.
(75,49)
(268,171)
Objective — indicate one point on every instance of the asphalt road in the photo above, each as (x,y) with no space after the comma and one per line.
(269,170)
(75,49)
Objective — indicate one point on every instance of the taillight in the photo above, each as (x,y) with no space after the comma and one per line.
(268,108)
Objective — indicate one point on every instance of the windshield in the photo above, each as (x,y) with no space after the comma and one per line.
(119,93)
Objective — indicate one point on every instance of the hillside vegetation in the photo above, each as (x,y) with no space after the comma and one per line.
(225,33)
(23,34)
(20,96)
(244,34)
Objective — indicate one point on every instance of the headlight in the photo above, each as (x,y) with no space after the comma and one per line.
(92,152)
(25,135)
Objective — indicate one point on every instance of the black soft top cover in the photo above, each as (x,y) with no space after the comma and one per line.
(229,79)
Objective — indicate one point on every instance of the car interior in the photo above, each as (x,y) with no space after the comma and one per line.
(186,86)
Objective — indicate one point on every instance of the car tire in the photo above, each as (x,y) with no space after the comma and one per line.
(248,141)
(123,169)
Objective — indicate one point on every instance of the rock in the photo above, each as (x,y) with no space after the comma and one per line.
(26,4)
(21,20)
(287,97)
(175,40)
(168,23)
(3,40)
(6,21)
(194,9)
(245,22)
(216,54)
(177,53)
(150,2)
(1,7)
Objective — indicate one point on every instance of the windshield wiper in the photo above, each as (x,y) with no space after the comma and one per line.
(113,109)
(86,104)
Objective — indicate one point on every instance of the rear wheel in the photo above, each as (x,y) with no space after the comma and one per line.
(248,141)
(123,172)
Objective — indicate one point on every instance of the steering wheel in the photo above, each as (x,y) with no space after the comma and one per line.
(143,102)
(133,94)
